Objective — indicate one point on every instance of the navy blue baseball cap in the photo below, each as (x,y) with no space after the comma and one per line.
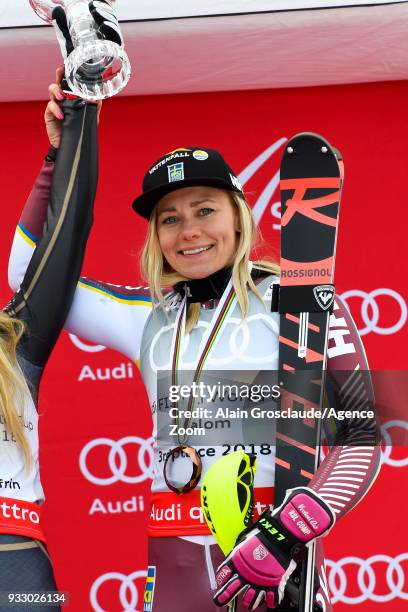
(184,167)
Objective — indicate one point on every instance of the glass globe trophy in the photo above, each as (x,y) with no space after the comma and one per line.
(96,68)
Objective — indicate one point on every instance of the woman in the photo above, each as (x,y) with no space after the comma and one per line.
(29,328)
(199,239)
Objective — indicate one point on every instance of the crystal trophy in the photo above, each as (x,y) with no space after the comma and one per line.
(96,68)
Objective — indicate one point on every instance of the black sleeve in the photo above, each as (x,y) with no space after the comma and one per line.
(44,298)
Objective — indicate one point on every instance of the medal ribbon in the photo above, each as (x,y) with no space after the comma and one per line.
(210,339)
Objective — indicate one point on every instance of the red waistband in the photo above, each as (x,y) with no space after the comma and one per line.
(21,518)
(181,515)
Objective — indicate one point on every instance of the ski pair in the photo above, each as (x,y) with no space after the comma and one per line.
(311,183)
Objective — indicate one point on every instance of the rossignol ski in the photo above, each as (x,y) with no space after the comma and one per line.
(311,182)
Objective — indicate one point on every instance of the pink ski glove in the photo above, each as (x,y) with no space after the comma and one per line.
(260,565)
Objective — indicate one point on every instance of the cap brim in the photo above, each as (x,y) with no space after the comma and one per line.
(145,203)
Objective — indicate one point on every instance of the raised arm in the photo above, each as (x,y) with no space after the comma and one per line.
(103,313)
(45,295)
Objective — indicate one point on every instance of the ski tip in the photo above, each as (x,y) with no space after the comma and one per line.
(323,143)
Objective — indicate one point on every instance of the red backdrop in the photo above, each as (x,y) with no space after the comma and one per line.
(95,520)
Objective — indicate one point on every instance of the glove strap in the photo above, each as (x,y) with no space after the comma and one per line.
(275,532)
(305,514)
(302,517)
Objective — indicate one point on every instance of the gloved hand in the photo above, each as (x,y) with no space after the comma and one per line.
(260,565)
(105,20)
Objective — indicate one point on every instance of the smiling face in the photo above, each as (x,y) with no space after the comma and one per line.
(197,229)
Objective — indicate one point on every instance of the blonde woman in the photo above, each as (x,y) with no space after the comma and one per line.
(29,327)
(200,233)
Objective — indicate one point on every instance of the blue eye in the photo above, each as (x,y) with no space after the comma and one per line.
(206,211)
(169,220)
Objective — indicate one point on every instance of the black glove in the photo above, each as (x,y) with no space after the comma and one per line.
(61,20)
(107,27)
(105,19)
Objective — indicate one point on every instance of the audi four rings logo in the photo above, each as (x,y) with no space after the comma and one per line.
(118,459)
(128,592)
(387,450)
(386,458)
(83,346)
(368,574)
(370,311)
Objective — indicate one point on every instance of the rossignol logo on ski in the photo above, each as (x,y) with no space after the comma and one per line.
(305,272)
(308,207)
(324,295)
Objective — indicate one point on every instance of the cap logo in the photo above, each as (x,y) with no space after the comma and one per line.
(235,182)
(200,155)
(176,172)
(162,162)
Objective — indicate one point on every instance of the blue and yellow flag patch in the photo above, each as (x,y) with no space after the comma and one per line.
(149,589)
(176,172)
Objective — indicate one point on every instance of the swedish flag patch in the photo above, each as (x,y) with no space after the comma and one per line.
(149,589)
(176,172)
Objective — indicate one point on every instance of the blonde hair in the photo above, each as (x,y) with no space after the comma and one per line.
(12,386)
(154,268)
